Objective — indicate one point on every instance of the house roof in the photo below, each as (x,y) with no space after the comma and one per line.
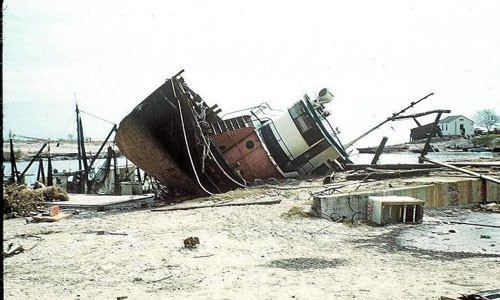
(449,119)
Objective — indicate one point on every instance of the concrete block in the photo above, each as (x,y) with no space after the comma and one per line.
(353,206)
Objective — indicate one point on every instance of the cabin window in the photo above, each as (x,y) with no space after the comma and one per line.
(305,123)
(250,144)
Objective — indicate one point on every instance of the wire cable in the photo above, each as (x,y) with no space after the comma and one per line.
(186,142)
(89,114)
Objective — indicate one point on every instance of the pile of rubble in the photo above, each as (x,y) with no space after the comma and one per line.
(21,201)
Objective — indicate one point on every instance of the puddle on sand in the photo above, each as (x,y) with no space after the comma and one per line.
(304,263)
(438,234)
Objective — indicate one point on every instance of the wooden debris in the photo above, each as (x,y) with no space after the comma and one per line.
(380,149)
(104,232)
(56,218)
(475,224)
(478,175)
(20,201)
(202,256)
(217,205)
(387,174)
(13,249)
(161,279)
(491,294)
(191,242)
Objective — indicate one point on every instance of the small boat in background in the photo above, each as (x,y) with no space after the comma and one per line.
(176,137)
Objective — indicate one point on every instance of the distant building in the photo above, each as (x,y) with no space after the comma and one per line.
(449,126)
(456,126)
(422,132)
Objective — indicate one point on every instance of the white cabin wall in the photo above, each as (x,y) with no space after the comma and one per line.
(290,134)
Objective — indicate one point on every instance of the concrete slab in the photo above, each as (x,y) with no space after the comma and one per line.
(435,191)
(353,206)
(106,202)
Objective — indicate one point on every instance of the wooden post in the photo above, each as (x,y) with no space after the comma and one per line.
(13,168)
(78,138)
(380,149)
(100,148)
(33,159)
(41,172)
(139,175)
(117,187)
(427,145)
(50,177)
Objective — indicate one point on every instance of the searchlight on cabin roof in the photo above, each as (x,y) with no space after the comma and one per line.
(324,96)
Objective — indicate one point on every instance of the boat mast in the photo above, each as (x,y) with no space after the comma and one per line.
(386,120)
(13,167)
(82,156)
(78,137)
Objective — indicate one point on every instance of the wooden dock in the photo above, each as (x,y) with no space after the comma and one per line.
(107,202)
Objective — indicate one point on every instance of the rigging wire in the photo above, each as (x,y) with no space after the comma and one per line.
(30,137)
(186,142)
(70,120)
(223,171)
(89,114)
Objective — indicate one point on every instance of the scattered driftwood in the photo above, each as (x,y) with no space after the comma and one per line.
(475,224)
(13,249)
(393,166)
(103,232)
(191,242)
(217,205)
(379,151)
(491,294)
(387,174)
(20,201)
(56,218)
(203,256)
(161,279)
(422,166)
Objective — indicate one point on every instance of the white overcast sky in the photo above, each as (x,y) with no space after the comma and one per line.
(375,56)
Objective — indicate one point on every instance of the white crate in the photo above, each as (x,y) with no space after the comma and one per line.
(394,209)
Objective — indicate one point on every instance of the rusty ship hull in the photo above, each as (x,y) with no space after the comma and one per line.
(174,136)
(163,137)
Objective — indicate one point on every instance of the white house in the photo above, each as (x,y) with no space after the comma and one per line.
(456,126)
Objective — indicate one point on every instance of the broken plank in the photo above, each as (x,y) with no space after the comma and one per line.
(370,169)
(13,249)
(217,205)
(391,166)
(486,164)
(478,175)
(387,175)
(55,218)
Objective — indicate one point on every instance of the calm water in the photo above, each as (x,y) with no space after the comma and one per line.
(59,165)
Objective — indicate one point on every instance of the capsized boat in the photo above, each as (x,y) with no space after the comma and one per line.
(179,139)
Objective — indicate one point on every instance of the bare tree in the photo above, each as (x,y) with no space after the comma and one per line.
(486,118)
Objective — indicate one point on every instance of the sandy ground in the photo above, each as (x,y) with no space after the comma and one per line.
(245,252)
